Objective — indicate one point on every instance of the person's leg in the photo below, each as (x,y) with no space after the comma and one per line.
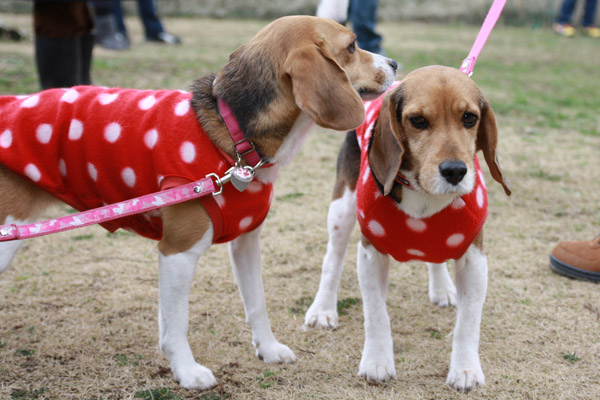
(152,24)
(566,12)
(118,11)
(363,16)
(63,43)
(589,13)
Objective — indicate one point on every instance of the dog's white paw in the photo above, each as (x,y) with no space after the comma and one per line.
(443,297)
(464,380)
(319,318)
(377,370)
(195,377)
(275,353)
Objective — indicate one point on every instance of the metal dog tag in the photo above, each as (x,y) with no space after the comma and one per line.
(241,178)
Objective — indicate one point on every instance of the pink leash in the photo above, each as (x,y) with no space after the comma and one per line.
(107,213)
(468,63)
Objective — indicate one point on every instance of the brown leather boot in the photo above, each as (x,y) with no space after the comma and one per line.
(579,260)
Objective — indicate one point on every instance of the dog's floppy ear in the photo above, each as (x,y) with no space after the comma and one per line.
(385,155)
(487,139)
(323,90)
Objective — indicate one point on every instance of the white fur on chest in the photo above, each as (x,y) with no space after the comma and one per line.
(289,148)
(423,205)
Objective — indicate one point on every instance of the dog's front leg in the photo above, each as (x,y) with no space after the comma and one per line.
(175,279)
(340,221)
(245,259)
(377,363)
(471,284)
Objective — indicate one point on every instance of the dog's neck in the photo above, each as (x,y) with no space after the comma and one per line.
(279,146)
(418,204)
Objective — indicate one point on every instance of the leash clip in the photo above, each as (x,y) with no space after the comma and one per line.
(239,175)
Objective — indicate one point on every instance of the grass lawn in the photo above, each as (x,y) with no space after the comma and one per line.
(78,309)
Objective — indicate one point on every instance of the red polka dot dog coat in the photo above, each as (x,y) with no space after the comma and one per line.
(91,146)
(438,238)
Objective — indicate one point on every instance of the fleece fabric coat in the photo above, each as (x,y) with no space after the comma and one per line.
(438,238)
(92,146)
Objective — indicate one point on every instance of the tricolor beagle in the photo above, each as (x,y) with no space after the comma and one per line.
(410,175)
(82,146)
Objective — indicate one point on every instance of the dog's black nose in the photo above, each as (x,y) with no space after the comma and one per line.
(393,64)
(453,171)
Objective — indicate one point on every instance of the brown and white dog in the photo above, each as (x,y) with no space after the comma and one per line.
(295,72)
(420,152)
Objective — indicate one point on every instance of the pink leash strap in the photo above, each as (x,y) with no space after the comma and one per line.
(468,63)
(107,213)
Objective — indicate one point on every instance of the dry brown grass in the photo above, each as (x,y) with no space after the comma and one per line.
(78,309)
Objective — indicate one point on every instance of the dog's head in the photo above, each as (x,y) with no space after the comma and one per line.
(302,63)
(430,127)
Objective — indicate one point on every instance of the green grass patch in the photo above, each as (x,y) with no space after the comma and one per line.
(157,394)
(22,394)
(571,357)
(344,304)
(267,379)
(301,305)
(83,237)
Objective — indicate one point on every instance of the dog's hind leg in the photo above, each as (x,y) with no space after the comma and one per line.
(441,288)
(21,202)
(244,252)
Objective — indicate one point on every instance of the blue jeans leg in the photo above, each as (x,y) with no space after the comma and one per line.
(566,12)
(152,24)
(589,13)
(363,16)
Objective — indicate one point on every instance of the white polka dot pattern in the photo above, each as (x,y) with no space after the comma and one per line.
(112,132)
(455,240)
(187,152)
(182,108)
(75,129)
(479,197)
(70,96)
(6,139)
(415,252)
(44,133)
(147,102)
(62,167)
(33,172)
(417,225)
(128,176)
(245,223)
(107,98)
(31,101)
(92,171)
(376,228)
(150,138)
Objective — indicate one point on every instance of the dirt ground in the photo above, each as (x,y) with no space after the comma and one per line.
(78,309)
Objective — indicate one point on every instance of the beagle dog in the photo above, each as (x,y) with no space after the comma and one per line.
(410,175)
(297,71)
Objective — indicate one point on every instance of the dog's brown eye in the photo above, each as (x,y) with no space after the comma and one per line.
(469,120)
(352,47)
(418,122)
